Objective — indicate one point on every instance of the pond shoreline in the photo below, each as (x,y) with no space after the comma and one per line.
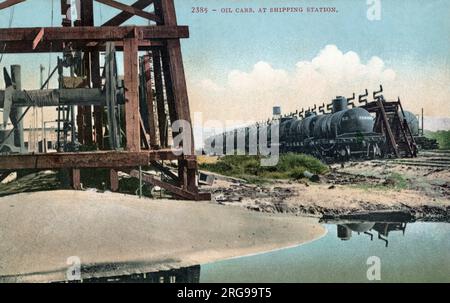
(115,234)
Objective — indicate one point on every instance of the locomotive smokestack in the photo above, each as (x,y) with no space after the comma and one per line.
(340,104)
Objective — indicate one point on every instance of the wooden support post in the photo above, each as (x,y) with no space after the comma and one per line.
(191,179)
(176,68)
(176,91)
(76,179)
(98,110)
(87,19)
(160,104)
(182,174)
(387,126)
(132,118)
(150,104)
(113,180)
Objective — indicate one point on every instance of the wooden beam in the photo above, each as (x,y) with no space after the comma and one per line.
(168,12)
(124,16)
(390,135)
(130,9)
(8,3)
(114,180)
(144,139)
(18,47)
(160,104)
(176,68)
(89,33)
(184,194)
(150,104)
(76,179)
(87,20)
(4,175)
(38,38)
(132,114)
(74,160)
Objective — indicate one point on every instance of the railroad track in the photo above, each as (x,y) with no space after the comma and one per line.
(433,159)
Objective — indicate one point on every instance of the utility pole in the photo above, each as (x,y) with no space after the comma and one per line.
(423,129)
(44,145)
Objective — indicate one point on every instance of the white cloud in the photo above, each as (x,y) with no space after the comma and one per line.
(250,95)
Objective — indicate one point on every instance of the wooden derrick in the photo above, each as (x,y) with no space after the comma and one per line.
(162,68)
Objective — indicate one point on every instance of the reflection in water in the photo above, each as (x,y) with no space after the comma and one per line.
(345,229)
(419,255)
(182,275)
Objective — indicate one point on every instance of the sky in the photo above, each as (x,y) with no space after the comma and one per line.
(238,66)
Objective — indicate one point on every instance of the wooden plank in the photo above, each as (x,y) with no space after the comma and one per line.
(89,33)
(144,139)
(38,38)
(130,9)
(17,47)
(167,186)
(132,114)
(166,170)
(124,16)
(8,3)
(75,160)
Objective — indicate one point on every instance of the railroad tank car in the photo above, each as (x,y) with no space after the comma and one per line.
(345,133)
(413,123)
(422,142)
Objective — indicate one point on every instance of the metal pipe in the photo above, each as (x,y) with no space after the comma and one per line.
(57,97)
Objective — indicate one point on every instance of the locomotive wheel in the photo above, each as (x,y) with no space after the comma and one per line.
(343,154)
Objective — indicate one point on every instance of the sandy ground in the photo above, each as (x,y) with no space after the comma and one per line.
(320,199)
(114,234)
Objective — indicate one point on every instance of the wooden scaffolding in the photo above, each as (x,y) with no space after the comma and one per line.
(390,120)
(162,67)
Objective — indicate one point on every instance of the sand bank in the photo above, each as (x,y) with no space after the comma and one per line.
(114,234)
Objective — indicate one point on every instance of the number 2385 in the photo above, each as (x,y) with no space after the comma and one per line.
(199,10)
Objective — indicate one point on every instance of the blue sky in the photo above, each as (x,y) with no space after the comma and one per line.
(412,38)
(409,32)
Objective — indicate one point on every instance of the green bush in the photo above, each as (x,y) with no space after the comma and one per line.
(290,166)
(442,136)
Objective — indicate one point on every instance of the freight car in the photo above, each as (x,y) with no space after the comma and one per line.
(343,134)
(347,132)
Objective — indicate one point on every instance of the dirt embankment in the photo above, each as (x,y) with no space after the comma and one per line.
(420,190)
